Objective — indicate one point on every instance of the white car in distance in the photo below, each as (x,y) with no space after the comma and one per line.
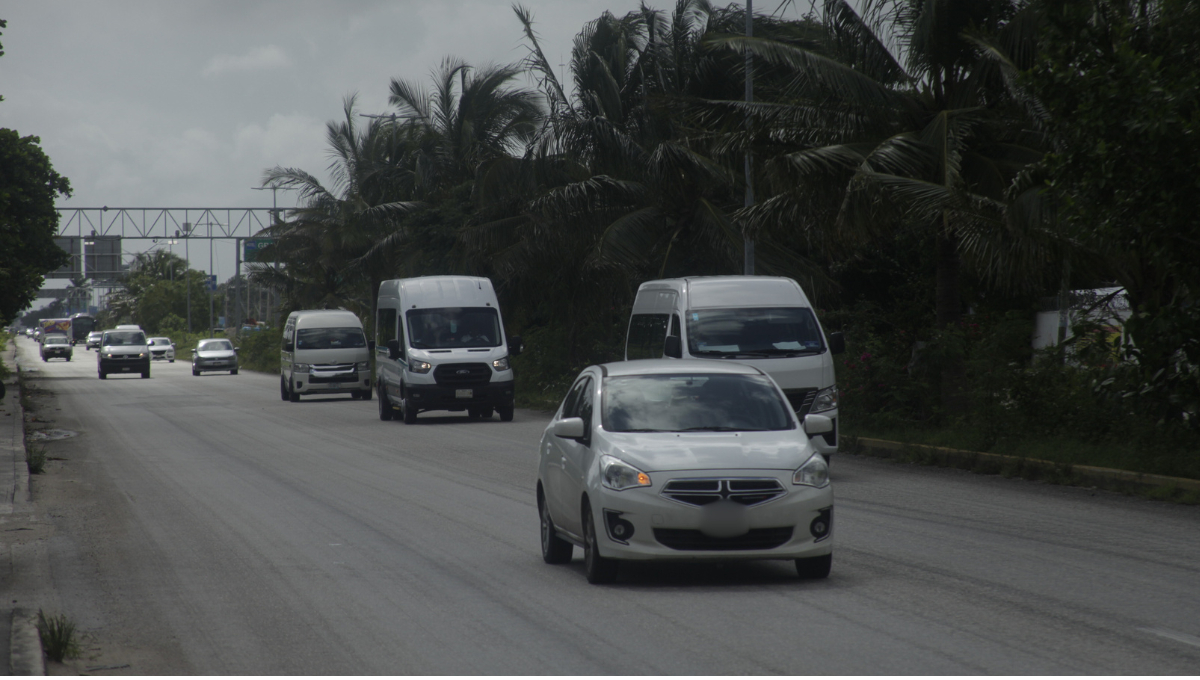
(162,348)
(683,460)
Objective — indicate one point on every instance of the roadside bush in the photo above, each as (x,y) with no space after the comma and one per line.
(259,350)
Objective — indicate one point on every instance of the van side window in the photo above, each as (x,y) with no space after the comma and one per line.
(647,332)
(288,332)
(385,326)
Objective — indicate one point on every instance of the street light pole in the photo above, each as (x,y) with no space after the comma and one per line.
(187,280)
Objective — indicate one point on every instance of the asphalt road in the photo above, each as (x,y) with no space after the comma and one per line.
(208,527)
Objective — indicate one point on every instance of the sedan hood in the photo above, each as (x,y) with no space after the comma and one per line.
(657,452)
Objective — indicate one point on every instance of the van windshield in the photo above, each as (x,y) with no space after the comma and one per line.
(452,327)
(118,338)
(330,338)
(751,332)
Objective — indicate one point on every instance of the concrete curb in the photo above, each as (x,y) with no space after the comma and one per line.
(26,657)
(1075,475)
(25,644)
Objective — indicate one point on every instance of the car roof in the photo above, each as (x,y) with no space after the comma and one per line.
(671,366)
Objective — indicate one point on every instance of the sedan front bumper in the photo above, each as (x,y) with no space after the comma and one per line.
(644,523)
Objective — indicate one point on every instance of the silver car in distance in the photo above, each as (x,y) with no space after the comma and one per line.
(682,460)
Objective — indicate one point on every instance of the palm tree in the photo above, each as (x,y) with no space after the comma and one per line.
(326,246)
(79,292)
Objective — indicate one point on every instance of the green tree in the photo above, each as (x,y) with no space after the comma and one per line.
(28,221)
(1120,83)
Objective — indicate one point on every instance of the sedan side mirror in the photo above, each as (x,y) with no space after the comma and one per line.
(236,349)
(817,424)
(569,428)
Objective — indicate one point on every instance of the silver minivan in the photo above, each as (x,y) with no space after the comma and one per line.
(324,352)
(764,321)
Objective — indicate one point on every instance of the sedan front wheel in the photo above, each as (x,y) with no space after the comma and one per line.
(599,570)
(554,549)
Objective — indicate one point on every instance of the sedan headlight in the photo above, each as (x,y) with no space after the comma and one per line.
(826,400)
(419,366)
(814,472)
(500,364)
(303,368)
(619,475)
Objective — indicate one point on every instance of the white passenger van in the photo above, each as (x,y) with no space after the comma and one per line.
(440,345)
(763,321)
(324,352)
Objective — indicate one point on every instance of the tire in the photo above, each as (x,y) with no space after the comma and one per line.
(45,360)
(195,372)
(599,570)
(103,375)
(386,412)
(506,412)
(473,413)
(486,412)
(554,549)
(233,372)
(366,394)
(170,361)
(292,396)
(814,567)
(68,357)
(410,412)
(283,393)
(145,374)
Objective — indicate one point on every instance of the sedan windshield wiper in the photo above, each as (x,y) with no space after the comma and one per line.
(721,428)
(640,430)
(730,355)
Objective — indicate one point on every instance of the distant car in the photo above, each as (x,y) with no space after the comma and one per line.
(56,345)
(215,354)
(666,459)
(93,340)
(162,348)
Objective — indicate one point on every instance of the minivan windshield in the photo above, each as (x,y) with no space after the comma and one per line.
(753,332)
(330,338)
(118,338)
(693,403)
(452,327)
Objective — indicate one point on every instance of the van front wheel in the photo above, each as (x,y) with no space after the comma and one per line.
(506,412)
(386,412)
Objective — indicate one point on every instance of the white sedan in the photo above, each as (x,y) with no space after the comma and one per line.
(162,348)
(682,460)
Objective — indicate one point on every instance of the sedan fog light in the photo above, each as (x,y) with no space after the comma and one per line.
(823,524)
(814,472)
(619,530)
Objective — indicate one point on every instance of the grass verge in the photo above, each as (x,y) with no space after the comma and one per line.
(58,636)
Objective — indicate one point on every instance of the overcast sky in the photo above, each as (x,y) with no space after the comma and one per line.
(185,104)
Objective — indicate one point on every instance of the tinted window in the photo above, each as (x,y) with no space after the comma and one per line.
(385,326)
(769,331)
(119,338)
(450,327)
(679,403)
(646,335)
(330,338)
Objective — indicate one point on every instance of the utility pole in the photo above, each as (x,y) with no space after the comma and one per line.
(748,243)
(187,279)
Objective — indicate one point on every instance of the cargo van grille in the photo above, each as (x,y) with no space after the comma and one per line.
(801,400)
(462,374)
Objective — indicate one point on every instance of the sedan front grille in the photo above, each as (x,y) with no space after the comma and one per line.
(693,539)
(462,374)
(748,492)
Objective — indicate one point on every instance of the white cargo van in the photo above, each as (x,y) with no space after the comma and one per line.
(763,321)
(324,352)
(440,345)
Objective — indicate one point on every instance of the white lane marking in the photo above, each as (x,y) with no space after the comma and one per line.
(1172,635)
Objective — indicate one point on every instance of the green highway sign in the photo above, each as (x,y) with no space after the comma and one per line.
(251,246)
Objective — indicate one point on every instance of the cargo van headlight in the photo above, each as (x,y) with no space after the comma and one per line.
(814,472)
(826,400)
(500,364)
(419,366)
(301,368)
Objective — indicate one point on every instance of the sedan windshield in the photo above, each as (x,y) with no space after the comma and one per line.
(160,341)
(693,403)
(214,346)
(753,332)
(450,327)
(330,338)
